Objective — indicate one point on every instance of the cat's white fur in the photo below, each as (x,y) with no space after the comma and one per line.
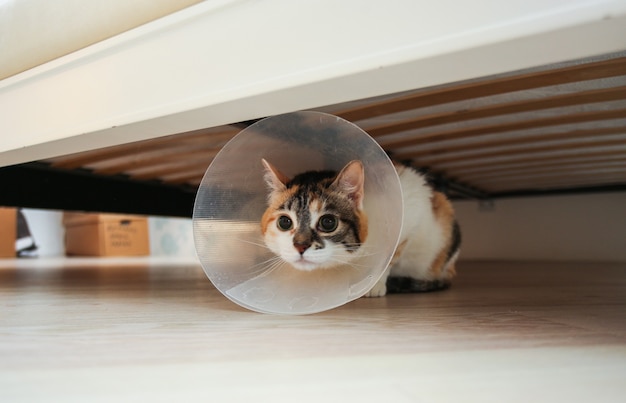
(281,243)
(421,238)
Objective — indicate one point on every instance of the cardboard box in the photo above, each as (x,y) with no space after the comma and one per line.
(88,234)
(8,231)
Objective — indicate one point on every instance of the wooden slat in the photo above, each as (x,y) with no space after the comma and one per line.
(543,167)
(580,98)
(164,143)
(80,160)
(493,163)
(165,170)
(531,148)
(552,185)
(521,139)
(558,183)
(576,172)
(501,85)
(146,160)
(183,177)
(191,180)
(457,134)
(471,173)
(467,171)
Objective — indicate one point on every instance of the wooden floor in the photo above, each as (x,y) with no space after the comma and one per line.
(147,330)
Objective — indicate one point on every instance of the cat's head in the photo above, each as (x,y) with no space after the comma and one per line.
(315,219)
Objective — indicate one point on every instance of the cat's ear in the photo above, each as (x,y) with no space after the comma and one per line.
(350,181)
(275,179)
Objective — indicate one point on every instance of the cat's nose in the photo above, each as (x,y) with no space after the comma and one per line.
(301,247)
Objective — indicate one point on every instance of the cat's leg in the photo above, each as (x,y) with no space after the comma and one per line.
(403,285)
(380,288)
(420,277)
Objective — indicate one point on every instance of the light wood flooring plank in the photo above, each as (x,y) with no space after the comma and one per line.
(150,330)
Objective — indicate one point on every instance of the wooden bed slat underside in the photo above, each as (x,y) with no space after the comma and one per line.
(551,128)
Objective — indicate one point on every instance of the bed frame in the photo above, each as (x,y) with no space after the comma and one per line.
(525,99)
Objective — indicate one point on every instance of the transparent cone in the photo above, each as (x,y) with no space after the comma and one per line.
(232,198)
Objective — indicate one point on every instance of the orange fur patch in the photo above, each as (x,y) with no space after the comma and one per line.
(398,252)
(444,213)
(363,227)
(276,200)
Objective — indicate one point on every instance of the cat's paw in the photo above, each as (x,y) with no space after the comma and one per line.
(379,290)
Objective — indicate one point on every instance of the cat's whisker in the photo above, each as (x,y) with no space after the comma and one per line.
(363,251)
(369,254)
(262,264)
(262,245)
(272,260)
(347,261)
(273,266)
(265,270)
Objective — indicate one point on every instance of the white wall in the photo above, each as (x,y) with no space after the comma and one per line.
(582,227)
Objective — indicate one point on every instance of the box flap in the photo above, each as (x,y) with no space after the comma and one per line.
(76,218)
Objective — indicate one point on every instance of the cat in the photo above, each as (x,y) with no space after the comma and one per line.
(315,220)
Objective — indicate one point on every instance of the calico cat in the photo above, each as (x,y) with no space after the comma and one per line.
(315,220)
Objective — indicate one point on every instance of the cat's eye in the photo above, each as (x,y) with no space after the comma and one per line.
(284,223)
(327,223)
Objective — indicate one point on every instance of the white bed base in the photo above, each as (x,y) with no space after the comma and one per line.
(225,61)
